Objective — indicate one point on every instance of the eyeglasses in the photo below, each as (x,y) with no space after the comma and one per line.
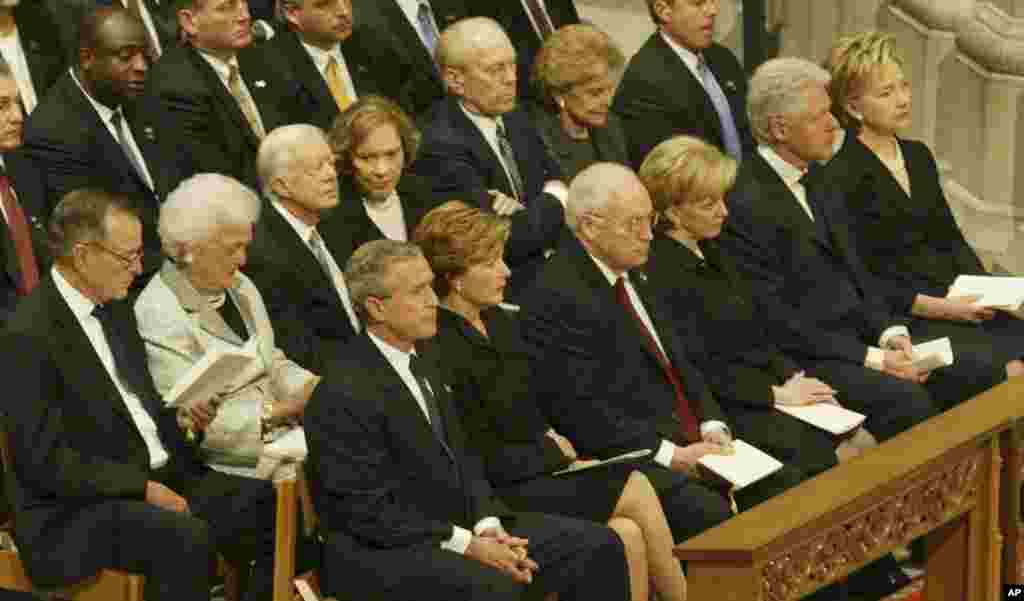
(127,260)
(635,225)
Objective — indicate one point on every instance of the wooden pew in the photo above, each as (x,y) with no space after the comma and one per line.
(942,478)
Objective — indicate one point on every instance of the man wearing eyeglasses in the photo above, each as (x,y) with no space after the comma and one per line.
(481,148)
(611,366)
(93,130)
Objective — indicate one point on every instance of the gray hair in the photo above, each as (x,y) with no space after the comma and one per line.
(282,148)
(5,68)
(81,216)
(460,41)
(594,188)
(777,90)
(200,206)
(367,270)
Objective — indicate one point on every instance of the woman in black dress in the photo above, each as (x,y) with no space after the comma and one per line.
(905,232)
(713,307)
(483,357)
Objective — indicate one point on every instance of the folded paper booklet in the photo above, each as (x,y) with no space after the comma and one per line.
(998,292)
(827,416)
(207,377)
(744,467)
(933,354)
(290,445)
(631,456)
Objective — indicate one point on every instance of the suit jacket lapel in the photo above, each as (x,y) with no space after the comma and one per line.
(695,88)
(209,319)
(287,242)
(788,207)
(224,98)
(403,31)
(308,75)
(481,147)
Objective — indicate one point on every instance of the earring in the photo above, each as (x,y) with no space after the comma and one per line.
(560,102)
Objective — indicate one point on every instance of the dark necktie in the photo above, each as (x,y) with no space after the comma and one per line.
(17,226)
(120,126)
(509,158)
(418,372)
(131,379)
(690,429)
(544,25)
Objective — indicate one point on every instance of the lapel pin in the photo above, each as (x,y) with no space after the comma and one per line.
(149,134)
(259,83)
(730,85)
(641,276)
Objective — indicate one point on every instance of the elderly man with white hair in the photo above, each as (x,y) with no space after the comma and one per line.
(200,303)
(295,263)
(592,316)
(789,233)
(480,148)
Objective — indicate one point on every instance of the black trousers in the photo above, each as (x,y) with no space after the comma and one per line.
(579,560)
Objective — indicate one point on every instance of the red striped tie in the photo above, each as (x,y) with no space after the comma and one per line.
(17,225)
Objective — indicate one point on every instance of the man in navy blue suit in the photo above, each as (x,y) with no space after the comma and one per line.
(478,147)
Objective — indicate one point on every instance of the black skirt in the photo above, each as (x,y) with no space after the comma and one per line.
(589,494)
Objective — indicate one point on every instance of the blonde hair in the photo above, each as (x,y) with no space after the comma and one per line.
(573,56)
(684,170)
(455,236)
(851,62)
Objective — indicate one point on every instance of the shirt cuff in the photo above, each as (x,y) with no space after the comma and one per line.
(875,358)
(713,426)
(665,452)
(486,524)
(459,541)
(557,189)
(892,332)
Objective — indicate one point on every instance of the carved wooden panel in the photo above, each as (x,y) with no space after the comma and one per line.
(923,506)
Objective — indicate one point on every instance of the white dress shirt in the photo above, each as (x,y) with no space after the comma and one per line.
(690,58)
(82,308)
(322,57)
(389,217)
(14,53)
(791,175)
(488,127)
(399,360)
(223,71)
(667,448)
(106,113)
(304,232)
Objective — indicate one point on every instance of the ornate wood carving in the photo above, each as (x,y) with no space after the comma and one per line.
(923,506)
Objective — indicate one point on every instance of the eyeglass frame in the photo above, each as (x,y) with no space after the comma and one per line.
(635,224)
(127,261)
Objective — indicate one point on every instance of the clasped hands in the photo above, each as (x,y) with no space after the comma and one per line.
(899,358)
(496,548)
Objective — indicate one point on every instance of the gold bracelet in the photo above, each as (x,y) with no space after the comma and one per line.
(265,419)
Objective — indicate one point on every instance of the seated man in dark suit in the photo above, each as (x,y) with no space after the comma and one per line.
(789,234)
(23,249)
(682,82)
(214,109)
(28,45)
(399,38)
(611,372)
(103,476)
(297,271)
(528,24)
(93,129)
(407,510)
(310,63)
(481,149)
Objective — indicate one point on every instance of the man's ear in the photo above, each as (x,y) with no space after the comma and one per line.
(86,56)
(455,80)
(280,186)
(778,127)
(291,15)
(374,308)
(187,21)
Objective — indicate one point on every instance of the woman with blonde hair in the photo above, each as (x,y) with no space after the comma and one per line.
(905,232)
(488,369)
(575,75)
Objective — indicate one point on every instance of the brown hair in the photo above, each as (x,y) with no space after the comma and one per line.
(570,57)
(365,115)
(455,237)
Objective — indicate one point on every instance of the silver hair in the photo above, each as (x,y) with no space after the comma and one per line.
(593,189)
(282,147)
(200,206)
(777,90)
(462,40)
(367,270)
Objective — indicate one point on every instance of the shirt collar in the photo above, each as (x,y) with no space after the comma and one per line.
(691,58)
(321,57)
(303,230)
(606,271)
(397,358)
(789,174)
(222,67)
(104,111)
(79,304)
(488,125)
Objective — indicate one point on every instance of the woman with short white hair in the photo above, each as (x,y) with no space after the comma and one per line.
(200,302)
